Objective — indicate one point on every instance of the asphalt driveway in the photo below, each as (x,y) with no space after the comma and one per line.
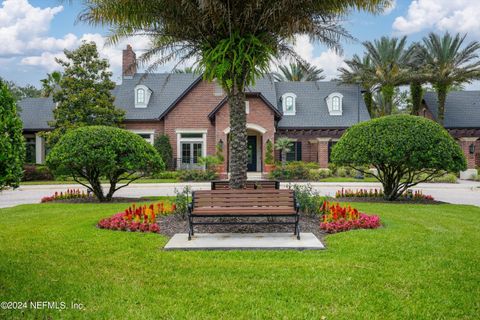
(465,192)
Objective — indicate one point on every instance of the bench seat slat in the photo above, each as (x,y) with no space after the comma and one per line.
(242,210)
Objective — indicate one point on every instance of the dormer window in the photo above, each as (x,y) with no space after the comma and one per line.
(288,102)
(334,104)
(142,96)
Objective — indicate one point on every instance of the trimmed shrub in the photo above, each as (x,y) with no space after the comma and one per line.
(33,172)
(401,148)
(296,170)
(164,148)
(94,152)
(198,175)
(319,174)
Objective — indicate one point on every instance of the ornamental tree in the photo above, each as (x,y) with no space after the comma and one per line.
(82,92)
(405,150)
(89,154)
(12,143)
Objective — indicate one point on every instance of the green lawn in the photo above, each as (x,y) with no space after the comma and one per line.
(27,183)
(423,265)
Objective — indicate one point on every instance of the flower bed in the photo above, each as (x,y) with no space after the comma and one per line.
(69,194)
(337,218)
(137,218)
(378,193)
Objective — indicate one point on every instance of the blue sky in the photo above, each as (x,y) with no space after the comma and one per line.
(34,32)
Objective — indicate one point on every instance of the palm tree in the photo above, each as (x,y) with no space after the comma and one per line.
(448,64)
(418,77)
(299,72)
(51,83)
(390,59)
(284,144)
(187,70)
(233,41)
(360,71)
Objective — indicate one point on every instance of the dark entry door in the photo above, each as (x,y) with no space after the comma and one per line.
(252,153)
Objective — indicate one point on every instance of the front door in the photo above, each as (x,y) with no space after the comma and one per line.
(252,153)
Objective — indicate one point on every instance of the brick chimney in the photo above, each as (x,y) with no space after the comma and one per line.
(129,62)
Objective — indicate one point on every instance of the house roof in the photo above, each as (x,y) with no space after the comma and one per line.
(259,95)
(36,113)
(462,108)
(169,89)
(166,91)
(311,106)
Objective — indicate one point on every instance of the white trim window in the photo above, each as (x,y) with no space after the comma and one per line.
(148,135)
(289,104)
(335,104)
(247,107)
(142,96)
(191,146)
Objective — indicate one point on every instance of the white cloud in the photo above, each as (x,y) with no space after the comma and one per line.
(444,15)
(328,60)
(21,23)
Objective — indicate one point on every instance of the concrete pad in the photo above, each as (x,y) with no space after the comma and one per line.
(244,241)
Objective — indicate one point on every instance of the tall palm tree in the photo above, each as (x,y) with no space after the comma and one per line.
(233,41)
(449,64)
(390,58)
(299,72)
(417,78)
(51,83)
(360,71)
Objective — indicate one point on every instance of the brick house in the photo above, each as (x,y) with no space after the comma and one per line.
(195,115)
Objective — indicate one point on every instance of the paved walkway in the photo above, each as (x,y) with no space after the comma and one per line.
(465,192)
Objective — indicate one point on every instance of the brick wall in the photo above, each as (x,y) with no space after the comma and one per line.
(192,113)
(472,159)
(259,114)
(156,126)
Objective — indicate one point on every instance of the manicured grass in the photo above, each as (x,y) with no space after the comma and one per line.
(348,179)
(424,264)
(27,183)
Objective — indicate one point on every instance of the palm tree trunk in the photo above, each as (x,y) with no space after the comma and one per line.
(416,94)
(442,90)
(238,139)
(387,93)
(368,98)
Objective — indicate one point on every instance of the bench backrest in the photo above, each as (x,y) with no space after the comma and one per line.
(251,184)
(243,198)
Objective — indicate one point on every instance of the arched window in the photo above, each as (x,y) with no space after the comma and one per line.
(288,100)
(334,104)
(140,95)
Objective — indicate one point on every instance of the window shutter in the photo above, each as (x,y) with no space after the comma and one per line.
(299,150)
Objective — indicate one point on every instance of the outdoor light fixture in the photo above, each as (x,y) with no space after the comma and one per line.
(472,148)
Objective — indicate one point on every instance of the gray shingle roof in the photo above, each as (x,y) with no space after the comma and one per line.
(462,108)
(311,106)
(36,113)
(166,88)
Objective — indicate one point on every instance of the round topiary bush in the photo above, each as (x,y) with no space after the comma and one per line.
(92,153)
(405,150)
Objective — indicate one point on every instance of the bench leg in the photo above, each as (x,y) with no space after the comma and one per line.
(297,227)
(190,228)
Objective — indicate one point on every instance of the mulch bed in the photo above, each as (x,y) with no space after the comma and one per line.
(172,224)
(94,200)
(381,200)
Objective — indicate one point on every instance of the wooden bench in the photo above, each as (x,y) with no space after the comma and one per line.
(260,203)
(251,184)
